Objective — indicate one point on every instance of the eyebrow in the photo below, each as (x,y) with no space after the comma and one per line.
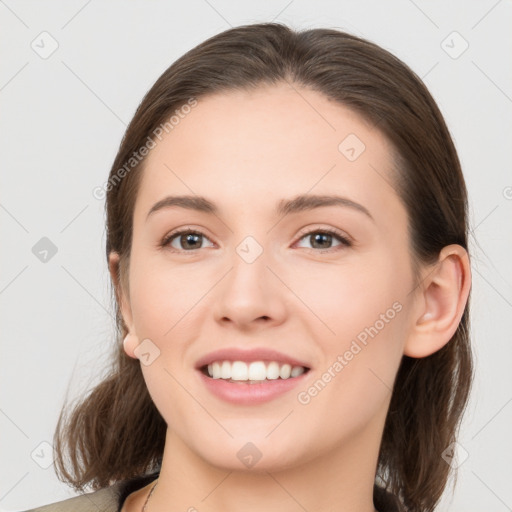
(284,207)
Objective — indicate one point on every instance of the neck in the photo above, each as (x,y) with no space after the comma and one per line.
(340,480)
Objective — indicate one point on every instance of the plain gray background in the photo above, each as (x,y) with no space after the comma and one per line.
(62,118)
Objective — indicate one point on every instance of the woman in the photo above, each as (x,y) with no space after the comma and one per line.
(287,240)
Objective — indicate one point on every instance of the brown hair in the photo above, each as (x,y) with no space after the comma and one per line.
(116,432)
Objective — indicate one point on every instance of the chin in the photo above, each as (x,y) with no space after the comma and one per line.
(249,451)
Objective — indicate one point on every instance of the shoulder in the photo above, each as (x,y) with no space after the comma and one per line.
(103,500)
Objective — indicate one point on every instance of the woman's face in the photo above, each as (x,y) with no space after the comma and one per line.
(262,274)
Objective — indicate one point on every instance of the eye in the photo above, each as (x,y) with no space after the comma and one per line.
(321,238)
(190,240)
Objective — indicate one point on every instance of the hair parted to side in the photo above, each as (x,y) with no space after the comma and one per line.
(116,432)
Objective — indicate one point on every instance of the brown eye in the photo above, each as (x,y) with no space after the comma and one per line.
(323,239)
(188,240)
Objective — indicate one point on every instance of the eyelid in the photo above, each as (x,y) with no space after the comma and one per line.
(165,243)
(322,229)
(343,237)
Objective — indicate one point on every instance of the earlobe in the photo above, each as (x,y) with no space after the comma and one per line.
(130,343)
(441,303)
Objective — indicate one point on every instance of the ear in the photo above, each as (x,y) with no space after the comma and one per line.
(131,341)
(441,301)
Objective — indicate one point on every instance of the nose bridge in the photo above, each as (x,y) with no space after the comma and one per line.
(248,291)
(249,272)
(250,249)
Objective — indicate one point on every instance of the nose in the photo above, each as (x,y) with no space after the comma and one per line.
(250,295)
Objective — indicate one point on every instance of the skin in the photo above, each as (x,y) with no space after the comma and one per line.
(245,151)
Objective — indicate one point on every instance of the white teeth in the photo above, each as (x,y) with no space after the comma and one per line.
(272,371)
(225,370)
(216,370)
(296,371)
(255,371)
(285,371)
(239,371)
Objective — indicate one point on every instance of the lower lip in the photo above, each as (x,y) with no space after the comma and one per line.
(244,393)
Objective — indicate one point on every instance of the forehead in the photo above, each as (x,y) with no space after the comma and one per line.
(256,147)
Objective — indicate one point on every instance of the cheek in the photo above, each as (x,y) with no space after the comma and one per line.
(361,333)
(355,381)
(346,299)
(165,301)
(164,296)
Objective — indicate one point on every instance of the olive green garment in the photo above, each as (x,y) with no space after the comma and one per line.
(103,500)
(107,500)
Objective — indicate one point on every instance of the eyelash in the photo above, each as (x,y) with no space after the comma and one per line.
(337,234)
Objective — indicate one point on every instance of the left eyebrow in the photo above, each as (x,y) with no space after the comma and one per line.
(299,203)
(309,202)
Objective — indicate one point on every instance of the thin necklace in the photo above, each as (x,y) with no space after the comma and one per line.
(149,496)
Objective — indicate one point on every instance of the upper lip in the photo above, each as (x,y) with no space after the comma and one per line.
(254,354)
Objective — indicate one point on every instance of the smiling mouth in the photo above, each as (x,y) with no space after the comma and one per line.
(252,373)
